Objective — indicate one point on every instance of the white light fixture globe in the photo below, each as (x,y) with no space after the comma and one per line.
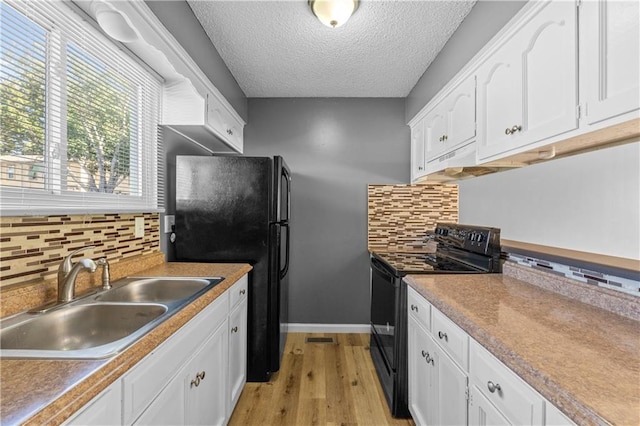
(333,13)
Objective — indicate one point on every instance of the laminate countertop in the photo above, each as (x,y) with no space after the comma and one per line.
(584,359)
(47,391)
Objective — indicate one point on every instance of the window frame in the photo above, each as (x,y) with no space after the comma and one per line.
(54,199)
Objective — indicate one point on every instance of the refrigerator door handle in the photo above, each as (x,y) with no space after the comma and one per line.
(285,269)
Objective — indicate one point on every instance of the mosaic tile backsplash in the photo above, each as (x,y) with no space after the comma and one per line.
(400,215)
(31,248)
(599,279)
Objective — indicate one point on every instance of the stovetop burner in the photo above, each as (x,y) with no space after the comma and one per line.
(461,249)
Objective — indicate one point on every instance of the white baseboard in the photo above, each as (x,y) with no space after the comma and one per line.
(328,328)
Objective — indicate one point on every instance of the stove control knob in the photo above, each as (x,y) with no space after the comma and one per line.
(480,238)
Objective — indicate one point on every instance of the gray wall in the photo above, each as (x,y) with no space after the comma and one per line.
(174,144)
(481,24)
(179,19)
(334,147)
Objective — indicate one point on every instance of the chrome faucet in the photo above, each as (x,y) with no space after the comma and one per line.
(67,273)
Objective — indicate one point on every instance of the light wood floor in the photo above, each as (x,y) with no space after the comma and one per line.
(318,384)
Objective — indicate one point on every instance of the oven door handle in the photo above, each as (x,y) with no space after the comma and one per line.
(382,268)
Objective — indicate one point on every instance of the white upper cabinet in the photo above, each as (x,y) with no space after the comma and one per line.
(610,47)
(417,150)
(527,90)
(452,123)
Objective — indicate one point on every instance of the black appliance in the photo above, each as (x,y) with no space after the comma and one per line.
(237,209)
(461,249)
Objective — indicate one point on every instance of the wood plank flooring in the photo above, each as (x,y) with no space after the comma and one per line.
(318,384)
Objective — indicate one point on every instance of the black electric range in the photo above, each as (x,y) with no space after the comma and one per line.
(461,249)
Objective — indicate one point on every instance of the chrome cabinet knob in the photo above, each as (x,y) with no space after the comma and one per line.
(243,291)
(414,308)
(424,354)
(229,132)
(234,329)
(442,335)
(493,386)
(429,359)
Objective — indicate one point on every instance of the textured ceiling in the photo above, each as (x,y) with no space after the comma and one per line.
(279,48)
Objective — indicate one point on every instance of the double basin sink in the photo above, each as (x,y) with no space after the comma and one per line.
(99,325)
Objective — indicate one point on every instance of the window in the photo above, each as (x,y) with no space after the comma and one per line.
(79,117)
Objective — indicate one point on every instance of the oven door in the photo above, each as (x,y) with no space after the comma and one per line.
(385,298)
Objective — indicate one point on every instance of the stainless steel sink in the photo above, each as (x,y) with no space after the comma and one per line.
(159,290)
(94,329)
(97,326)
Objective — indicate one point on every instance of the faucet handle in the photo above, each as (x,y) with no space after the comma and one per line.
(106,279)
(65,266)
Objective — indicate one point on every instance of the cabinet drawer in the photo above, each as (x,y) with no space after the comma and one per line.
(147,379)
(519,403)
(238,292)
(418,308)
(451,338)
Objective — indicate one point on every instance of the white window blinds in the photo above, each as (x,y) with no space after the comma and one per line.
(78,130)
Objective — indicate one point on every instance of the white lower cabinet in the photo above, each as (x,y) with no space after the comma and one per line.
(237,350)
(482,412)
(437,385)
(194,377)
(442,391)
(104,409)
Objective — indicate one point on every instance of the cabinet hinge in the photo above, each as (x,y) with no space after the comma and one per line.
(466,394)
(578,112)
(578,3)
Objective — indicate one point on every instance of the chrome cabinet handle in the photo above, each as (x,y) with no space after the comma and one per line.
(493,386)
(243,291)
(234,329)
(442,335)
(429,359)
(419,167)
(229,132)
(514,129)
(424,354)
(199,377)
(414,308)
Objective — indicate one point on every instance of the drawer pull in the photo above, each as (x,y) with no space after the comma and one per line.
(493,387)
(243,291)
(424,354)
(414,308)
(442,335)
(429,359)
(199,377)
(234,329)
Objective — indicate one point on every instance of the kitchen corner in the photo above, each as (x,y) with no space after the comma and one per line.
(45,391)
(580,357)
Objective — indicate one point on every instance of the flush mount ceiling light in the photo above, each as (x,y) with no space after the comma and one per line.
(333,13)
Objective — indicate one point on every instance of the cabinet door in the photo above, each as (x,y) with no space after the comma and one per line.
(237,353)
(610,43)
(104,409)
(435,129)
(482,412)
(422,377)
(450,389)
(499,101)
(205,381)
(417,150)
(461,115)
(549,72)
(168,407)
(528,92)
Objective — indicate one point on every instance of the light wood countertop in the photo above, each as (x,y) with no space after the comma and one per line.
(584,359)
(49,391)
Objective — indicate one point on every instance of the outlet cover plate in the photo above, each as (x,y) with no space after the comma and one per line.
(139,227)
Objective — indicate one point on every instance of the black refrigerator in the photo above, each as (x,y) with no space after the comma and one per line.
(237,209)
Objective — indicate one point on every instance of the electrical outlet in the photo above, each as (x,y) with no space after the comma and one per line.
(139,227)
(169,221)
